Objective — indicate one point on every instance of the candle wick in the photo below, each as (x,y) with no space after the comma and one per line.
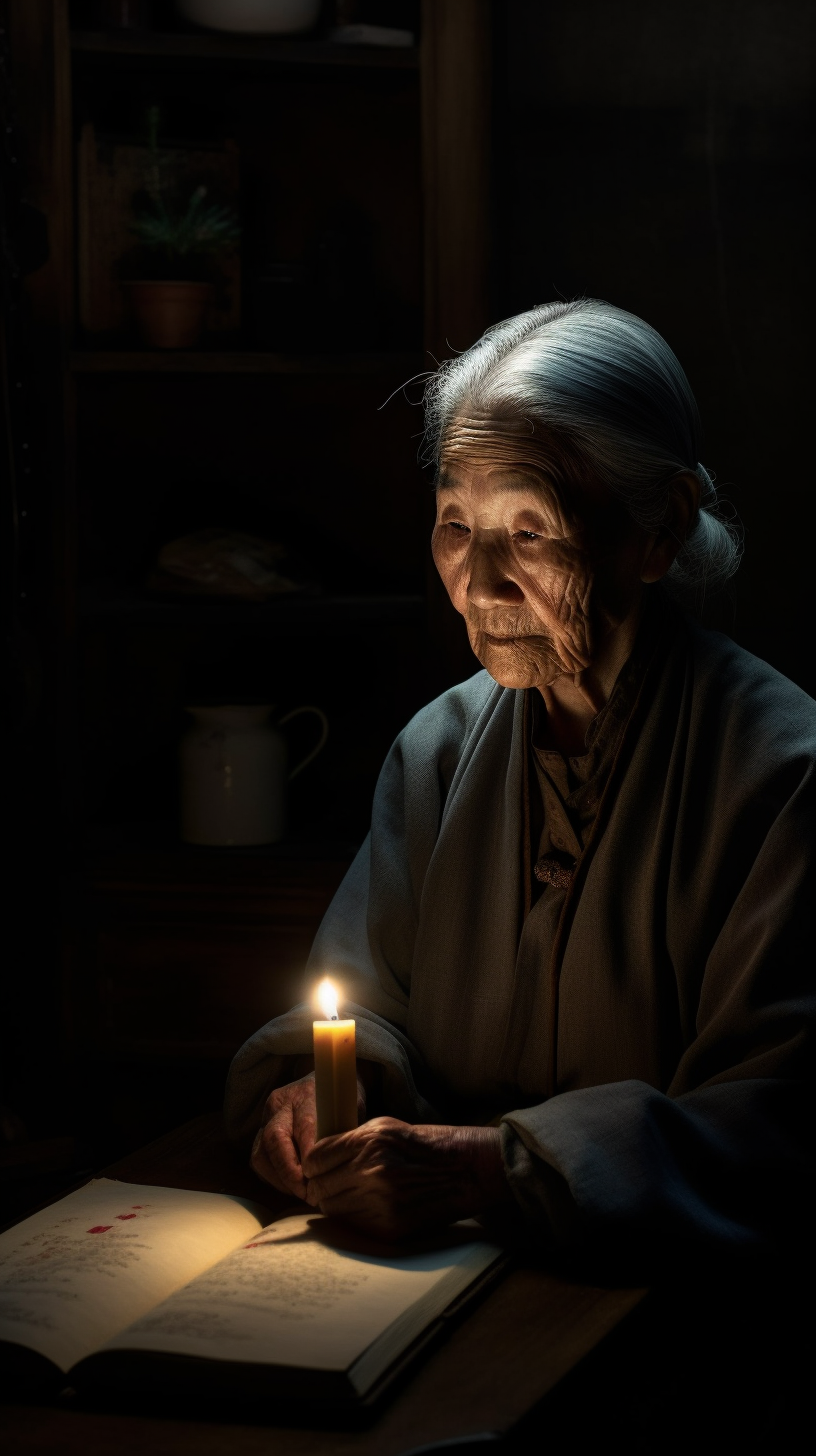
(335,1017)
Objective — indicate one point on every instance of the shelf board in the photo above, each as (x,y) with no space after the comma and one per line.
(153,854)
(216,361)
(331,614)
(126,45)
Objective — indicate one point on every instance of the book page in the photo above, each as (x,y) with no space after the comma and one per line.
(302,1293)
(75,1273)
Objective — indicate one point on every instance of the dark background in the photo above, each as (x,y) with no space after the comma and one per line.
(655,153)
(659,156)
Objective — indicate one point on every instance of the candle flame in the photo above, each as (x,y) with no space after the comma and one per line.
(327,1000)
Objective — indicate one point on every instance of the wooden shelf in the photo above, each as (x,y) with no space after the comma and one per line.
(166,948)
(167,46)
(217,939)
(290,614)
(151,854)
(203,361)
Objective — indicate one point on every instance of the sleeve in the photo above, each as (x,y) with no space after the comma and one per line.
(366,942)
(724,1158)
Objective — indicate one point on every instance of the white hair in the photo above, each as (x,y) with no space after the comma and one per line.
(608,389)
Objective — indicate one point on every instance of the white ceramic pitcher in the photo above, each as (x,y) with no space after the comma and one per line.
(234,773)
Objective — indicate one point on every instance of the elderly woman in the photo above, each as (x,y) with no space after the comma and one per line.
(579,940)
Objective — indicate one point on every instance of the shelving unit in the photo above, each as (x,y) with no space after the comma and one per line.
(203,49)
(288,614)
(153,444)
(229,361)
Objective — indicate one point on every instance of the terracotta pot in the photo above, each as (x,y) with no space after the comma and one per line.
(124,14)
(170,315)
(253,17)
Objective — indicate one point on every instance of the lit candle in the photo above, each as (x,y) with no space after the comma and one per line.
(335,1067)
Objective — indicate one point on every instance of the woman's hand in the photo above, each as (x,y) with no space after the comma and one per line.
(391,1179)
(287,1134)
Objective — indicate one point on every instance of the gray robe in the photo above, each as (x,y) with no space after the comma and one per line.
(654,1077)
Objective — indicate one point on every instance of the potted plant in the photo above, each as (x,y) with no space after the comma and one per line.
(255,17)
(181,242)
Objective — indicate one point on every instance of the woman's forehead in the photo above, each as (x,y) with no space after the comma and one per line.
(502,450)
(481,423)
(489,436)
(494,479)
(503,454)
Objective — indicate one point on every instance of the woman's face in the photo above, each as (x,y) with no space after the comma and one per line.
(541,573)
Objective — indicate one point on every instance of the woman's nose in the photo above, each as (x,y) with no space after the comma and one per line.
(489,584)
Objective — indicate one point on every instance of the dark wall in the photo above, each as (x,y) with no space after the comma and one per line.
(660,156)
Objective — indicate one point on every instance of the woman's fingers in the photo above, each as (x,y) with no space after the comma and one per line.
(286,1136)
(284,1159)
(260,1163)
(369,1141)
(275,1159)
(346,1203)
(368,1163)
(304,1127)
(379,1212)
(385,1177)
(330,1153)
(335,1180)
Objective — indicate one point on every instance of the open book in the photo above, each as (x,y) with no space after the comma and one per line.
(123,1286)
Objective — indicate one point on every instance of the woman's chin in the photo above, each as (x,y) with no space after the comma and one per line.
(513,669)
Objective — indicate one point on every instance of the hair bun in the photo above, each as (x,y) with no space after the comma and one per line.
(709,493)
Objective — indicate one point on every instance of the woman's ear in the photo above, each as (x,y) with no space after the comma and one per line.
(684,504)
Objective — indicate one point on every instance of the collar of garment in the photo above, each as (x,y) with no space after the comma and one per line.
(564,793)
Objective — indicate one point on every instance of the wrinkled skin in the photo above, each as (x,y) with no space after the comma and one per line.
(392,1179)
(287,1134)
(548,576)
(388,1178)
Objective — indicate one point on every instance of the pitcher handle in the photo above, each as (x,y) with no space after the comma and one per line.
(313,752)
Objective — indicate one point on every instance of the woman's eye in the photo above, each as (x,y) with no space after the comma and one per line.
(458,527)
(528,535)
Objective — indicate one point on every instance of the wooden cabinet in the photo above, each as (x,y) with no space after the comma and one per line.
(379,154)
(190,955)
(173,959)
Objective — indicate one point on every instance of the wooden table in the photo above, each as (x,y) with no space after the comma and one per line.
(533,1328)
